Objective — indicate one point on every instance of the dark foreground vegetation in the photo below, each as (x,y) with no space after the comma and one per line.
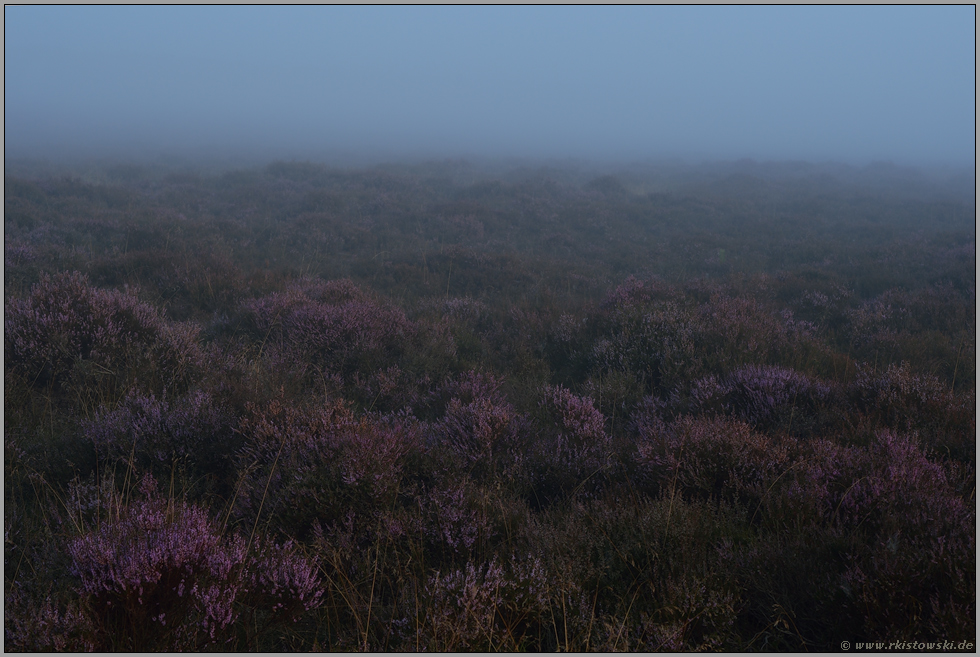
(443,408)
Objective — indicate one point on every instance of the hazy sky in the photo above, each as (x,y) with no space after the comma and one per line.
(845,83)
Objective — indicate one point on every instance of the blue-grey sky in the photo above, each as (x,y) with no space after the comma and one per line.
(854,84)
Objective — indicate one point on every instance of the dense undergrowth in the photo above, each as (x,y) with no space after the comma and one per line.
(443,408)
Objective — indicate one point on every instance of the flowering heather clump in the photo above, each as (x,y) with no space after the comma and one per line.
(483,432)
(484,606)
(281,582)
(477,431)
(462,607)
(912,536)
(668,337)
(915,497)
(465,387)
(329,323)
(899,386)
(705,396)
(46,627)
(578,420)
(159,575)
(713,457)
(301,465)
(906,401)
(923,547)
(454,519)
(827,483)
(64,321)
(573,448)
(762,395)
(16,253)
(471,385)
(158,431)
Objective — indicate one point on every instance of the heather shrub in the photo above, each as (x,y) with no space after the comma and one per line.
(826,484)
(47,626)
(658,340)
(899,395)
(917,573)
(665,337)
(329,324)
(736,331)
(462,608)
(488,606)
(572,452)
(158,433)
(485,434)
(899,541)
(465,387)
(387,390)
(649,417)
(713,458)
(158,578)
(378,562)
(471,386)
(69,334)
(473,431)
(298,465)
(281,586)
(906,401)
(441,516)
(158,574)
(455,520)
(767,397)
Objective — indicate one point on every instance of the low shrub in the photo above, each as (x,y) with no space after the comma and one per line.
(331,324)
(301,465)
(572,452)
(159,433)
(767,397)
(71,335)
(159,574)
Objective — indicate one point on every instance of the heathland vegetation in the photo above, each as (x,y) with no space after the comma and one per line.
(451,407)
